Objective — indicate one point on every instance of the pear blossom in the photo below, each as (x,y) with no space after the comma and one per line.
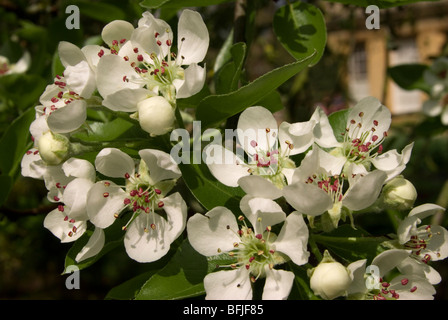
(401,287)
(268,148)
(318,186)
(436,77)
(255,248)
(330,279)
(20,66)
(367,127)
(427,242)
(148,233)
(399,193)
(145,66)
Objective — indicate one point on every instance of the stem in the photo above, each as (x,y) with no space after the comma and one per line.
(314,248)
(179,119)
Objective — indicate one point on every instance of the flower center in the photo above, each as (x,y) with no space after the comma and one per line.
(4,68)
(142,198)
(271,162)
(332,185)
(255,252)
(62,98)
(419,242)
(359,143)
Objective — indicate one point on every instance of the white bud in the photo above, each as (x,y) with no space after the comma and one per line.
(156,115)
(399,193)
(53,148)
(330,279)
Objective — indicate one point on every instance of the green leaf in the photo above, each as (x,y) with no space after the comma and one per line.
(23,90)
(410,76)
(181,278)
(216,108)
(15,142)
(338,121)
(208,190)
(155,4)
(382,4)
(351,244)
(101,11)
(301,29)
(227,78)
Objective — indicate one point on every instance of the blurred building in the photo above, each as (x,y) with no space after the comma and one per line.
(414,33)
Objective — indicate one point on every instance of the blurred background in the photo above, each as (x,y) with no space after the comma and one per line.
(355,65)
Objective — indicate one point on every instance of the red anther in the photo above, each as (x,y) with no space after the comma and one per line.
(122,41)
(133,193)
(127,201)
(404,281)
(66,218)
(101,53)
(157,191)
(156,34)
(169,43)
(61,208)
(127,175)
(136,50)
(160,204)
(105,194)
(374,138)
(259,236)
(375,122)
(413,289)
(56,198)
(159,43)
(115,43)
(140,58)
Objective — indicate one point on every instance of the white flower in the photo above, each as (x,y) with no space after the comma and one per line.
(330,279)
(367,125)
(403,287)
(148,234)
(20,66)
(427,243)
(318,186)
(256,249)
(145,65)
(53,148)
(268,147)
(68,185)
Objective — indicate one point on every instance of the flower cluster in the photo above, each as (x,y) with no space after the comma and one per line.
(139,74)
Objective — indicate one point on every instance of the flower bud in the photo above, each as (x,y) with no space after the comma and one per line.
(156,115)
(53,148)
(399,194)
(330,279)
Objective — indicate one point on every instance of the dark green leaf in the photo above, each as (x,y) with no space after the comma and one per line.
(409,76)
(23,90)
(101,11)
(227,78)
(181,278)
(155,4)
(216,108)
(301,29)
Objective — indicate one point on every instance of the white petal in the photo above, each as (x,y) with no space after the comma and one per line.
(32,165)
(113,73)
(278,285)
(117,30)
(38,127)
(208,234)
(364,191)
(388,260)
(100,208)
(194,81)
(68,118)
(93,246)
(75,197)
(411,266)
(114,163)
(224,164)
(70,54)
(258,186)
(91,53)
(252,126)
(300,135)
(371,110)
(323,132)
(148,246)
(438,246)
(56,222)
(126,100)
(307,199)
(261,212)
(293,239)
(357,271)
(81,79)
(79,168)
(228,285)
(176,211)
(432,107)
(424,291)
(160,164)
(425,210)
(192,38)
(22,65)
